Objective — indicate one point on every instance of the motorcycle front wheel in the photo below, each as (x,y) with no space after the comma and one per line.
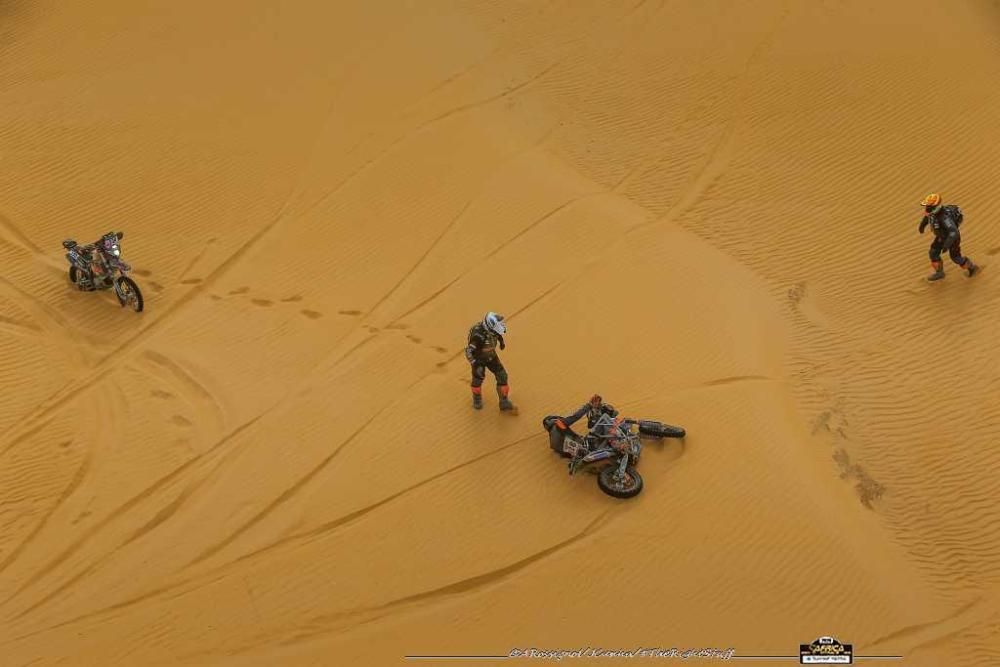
(132,294)
(627,486)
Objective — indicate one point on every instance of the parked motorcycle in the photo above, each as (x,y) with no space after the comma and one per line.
(99,266)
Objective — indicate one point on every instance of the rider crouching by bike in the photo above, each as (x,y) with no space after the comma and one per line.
(593,408)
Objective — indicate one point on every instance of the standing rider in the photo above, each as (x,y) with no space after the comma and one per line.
(481,353)
(944,221)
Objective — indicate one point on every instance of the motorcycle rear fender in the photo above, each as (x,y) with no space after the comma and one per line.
(552,421)
(557,440)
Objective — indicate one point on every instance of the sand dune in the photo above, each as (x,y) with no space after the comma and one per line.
(704,211)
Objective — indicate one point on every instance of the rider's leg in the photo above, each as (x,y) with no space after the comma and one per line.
(503,388)
(936,263)
(956,256)
(478,375)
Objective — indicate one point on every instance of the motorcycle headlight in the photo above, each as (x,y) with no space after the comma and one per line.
(116,251)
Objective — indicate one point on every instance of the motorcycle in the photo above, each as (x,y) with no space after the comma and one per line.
(614,439)
(99,267)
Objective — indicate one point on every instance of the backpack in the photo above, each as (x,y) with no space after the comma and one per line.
(955,213)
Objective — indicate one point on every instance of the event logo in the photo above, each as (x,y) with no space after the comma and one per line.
(826,651)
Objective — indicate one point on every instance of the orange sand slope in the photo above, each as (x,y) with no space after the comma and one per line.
(705,211)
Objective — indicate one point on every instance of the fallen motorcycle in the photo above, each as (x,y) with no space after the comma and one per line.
(98,266)
(616,440)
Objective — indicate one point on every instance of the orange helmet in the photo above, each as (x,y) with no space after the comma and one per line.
(933,200)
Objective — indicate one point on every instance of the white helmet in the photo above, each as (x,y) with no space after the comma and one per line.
(494,323)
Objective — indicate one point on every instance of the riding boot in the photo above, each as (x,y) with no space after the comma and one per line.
(970,267)
(477,398)
(502,391)
(938,267)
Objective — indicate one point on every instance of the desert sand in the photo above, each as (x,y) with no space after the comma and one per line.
(705,211)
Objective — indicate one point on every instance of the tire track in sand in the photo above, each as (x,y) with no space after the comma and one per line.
(300,484)
(14,237)
(294,541)
(464,586)
(69,490)
(340,622)
(173,507)
(513,90)
(724,149)
(133,502)
(395,323)
(325,529)
(18,328)
(209,410)
(532,225)
(159,518)
(452,225)
(912,637)
(10,233)
(102,432)
(51,324)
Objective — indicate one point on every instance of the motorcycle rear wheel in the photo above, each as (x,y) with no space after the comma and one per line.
(661,430)
(76,276)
